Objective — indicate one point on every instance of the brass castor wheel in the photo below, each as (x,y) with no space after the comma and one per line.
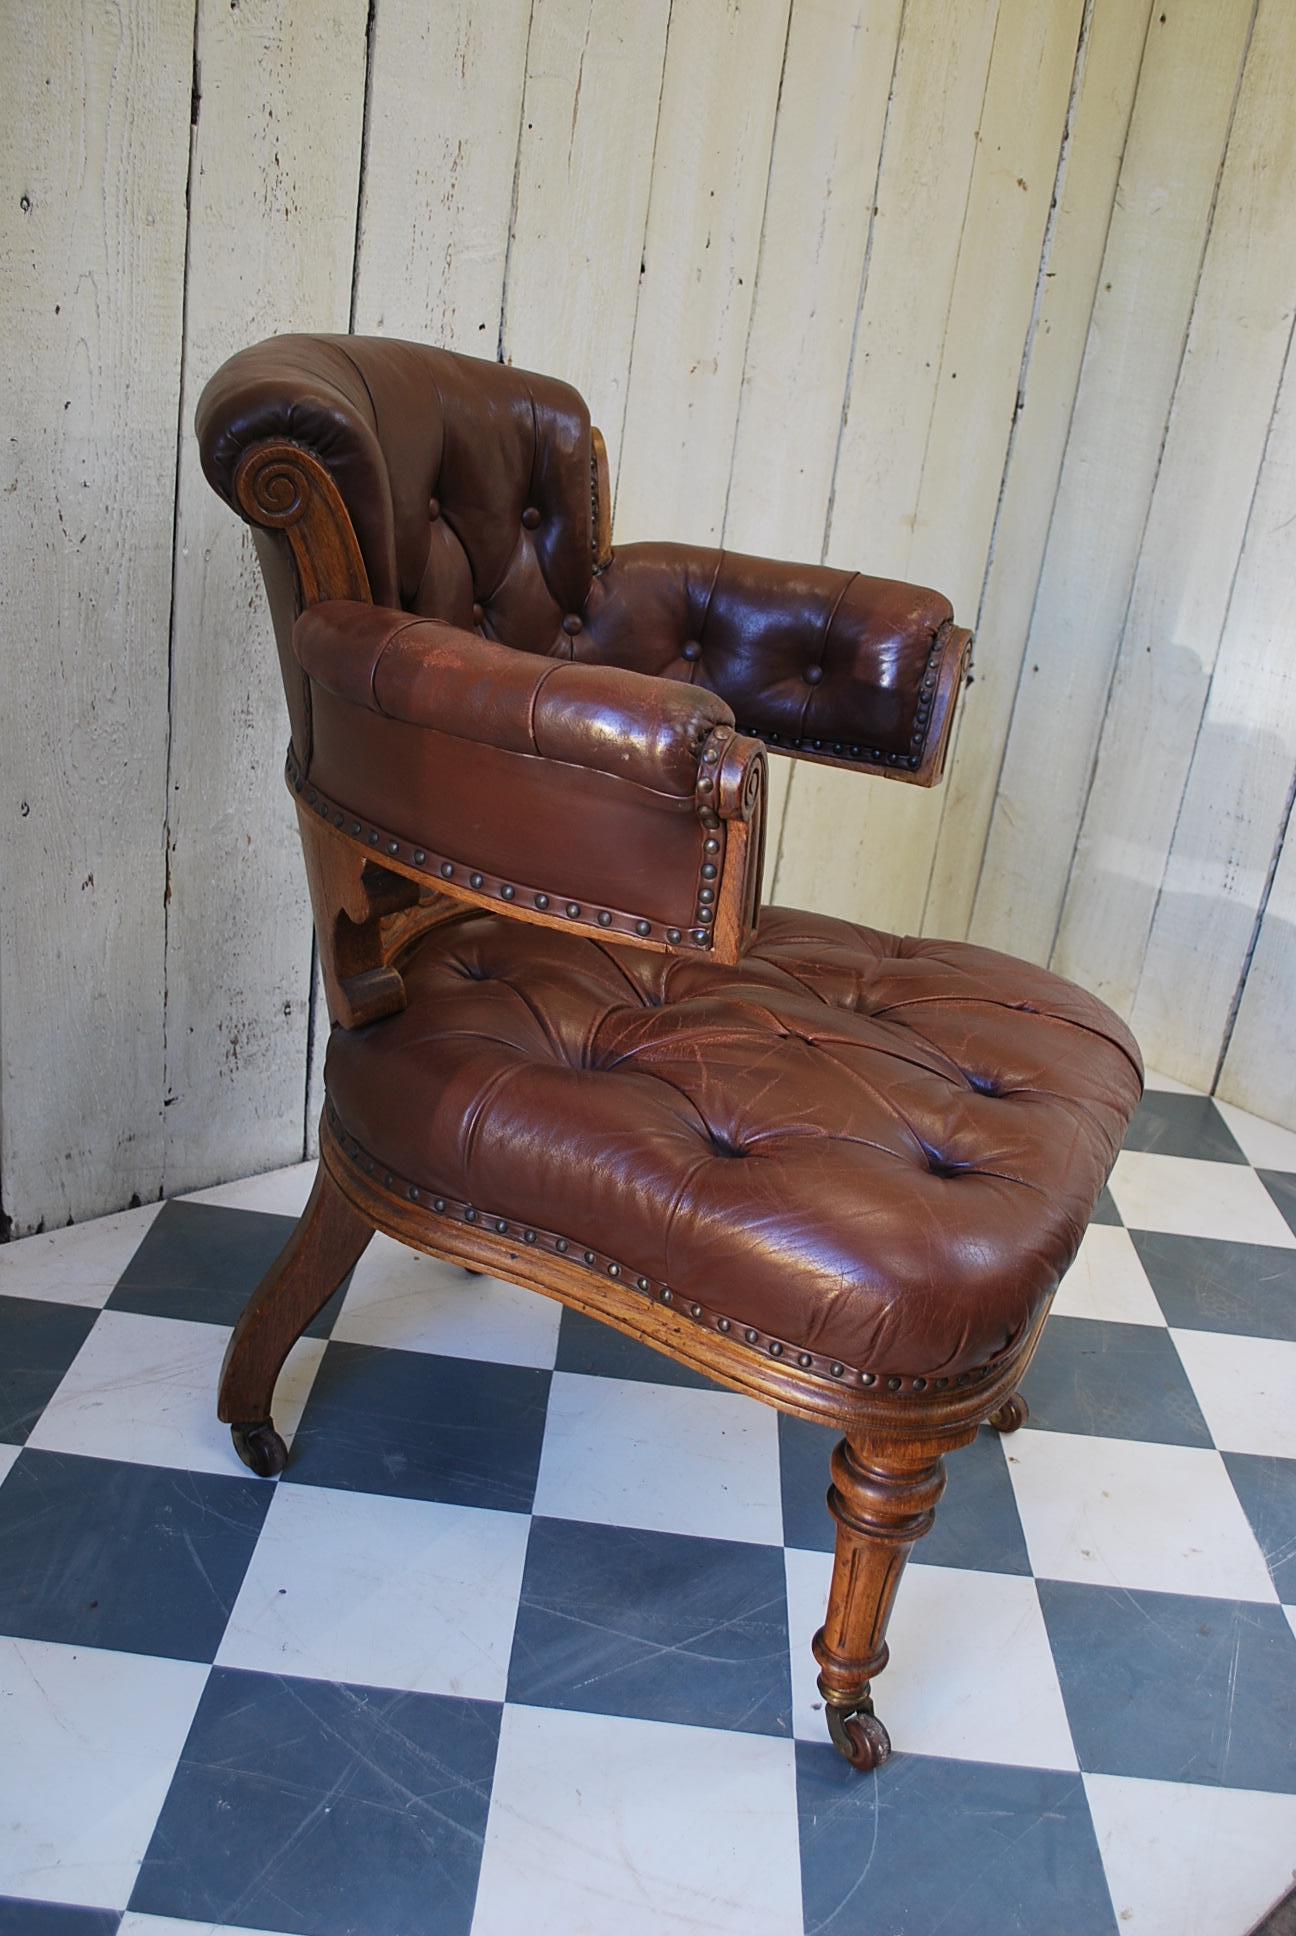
(1012,1414)
(859,1735)
(260,1448)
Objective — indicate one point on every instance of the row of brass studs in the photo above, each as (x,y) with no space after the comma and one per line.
(436,868)
(493,1226)
(705,911)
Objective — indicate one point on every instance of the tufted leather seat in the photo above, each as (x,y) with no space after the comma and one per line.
(837,1169)
(880,1153)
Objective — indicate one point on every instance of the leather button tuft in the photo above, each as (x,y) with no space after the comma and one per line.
(434,509)
(478,614)
(571,625)
(690,650)
(813,674)
(530,517)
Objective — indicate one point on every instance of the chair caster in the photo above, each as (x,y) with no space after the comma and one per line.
(859,1735)
(1012,1414)
(260,1448)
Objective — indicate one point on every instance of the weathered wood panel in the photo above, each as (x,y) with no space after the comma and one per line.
(94,152)
(1259,1068)
(827,147)
(1236,344)
(271,243)
(446,96)
(1236,801)
(1107,78)
(593,90)
(723,64)
(923,447)
(1136,338)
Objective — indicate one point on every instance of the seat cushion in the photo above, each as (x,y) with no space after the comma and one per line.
(873,1152)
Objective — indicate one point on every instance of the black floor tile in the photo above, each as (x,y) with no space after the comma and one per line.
(101,1553)
(18,1917)
(1175,1688)
(1121,1381)
(38,1341)
(964,1847)
(1267,1490)
(326,1810)
(203,1261)
(599,1350)
(662,1626)
(1212,1284)
(422,1427)
(1173,1125)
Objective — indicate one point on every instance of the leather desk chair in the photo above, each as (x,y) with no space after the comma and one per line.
(832,1168)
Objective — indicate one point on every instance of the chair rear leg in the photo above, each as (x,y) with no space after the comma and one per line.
(330,1236)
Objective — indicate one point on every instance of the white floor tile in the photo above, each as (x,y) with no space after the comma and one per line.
(662,1457)
(1188,1861)
(1268,1145)
(1107,1281)
(639,1827)
(409,1302)
(77,1265)
(1197,1199)
(1291,1622)
(1246,1388)
(144,1389)
(280,1193)
(971,1675)
(1108,1512)
(8,1453)
(96,1737)
(384,1592)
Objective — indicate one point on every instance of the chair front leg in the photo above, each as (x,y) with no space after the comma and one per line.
(883,1499)
(329,1239)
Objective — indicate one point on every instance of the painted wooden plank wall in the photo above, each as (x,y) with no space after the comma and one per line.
(993,294)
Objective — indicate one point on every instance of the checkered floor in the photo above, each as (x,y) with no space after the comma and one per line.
(520,1641)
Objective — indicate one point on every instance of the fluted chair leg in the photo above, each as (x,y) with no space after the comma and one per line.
(330,1237)
(882,1501)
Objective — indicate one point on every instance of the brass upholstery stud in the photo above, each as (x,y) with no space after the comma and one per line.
(501,1225)
(393,846)
(751,1336)
(614,1270)
(589,1257)
(355,826)
(562,1246)
(542,901)
(711,845)
(605,919)
(573,909)
(470,1215)
(447,871)
(528,1236)
(805,1361)
(438,1204)
(474,880)
(643,927)
(836,1370)
(667,1294)
(695,1310)
(673,934)
(507,892)
(776,1349)
(641,1283)
(867,1378)
(894,1384)
(709,869)
(420,856)
(722,1324)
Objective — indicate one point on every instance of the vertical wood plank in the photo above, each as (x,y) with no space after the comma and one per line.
(446,86)
(93,175)
(723,64)
(272,230)
(1100,119)
(1253,1075)
(1236,344)
(827,146)
(593,88)
(1140,319)
(936,371)
(1237,798)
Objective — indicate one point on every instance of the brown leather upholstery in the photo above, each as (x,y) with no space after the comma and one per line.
(882,1152)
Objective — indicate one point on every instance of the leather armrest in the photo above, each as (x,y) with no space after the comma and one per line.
(823,664)
(585,796)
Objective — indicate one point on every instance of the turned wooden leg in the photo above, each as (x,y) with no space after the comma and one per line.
(882,1501)
(329,1237)
(1012,1414)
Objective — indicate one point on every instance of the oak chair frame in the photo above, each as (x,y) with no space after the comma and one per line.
(369,907)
